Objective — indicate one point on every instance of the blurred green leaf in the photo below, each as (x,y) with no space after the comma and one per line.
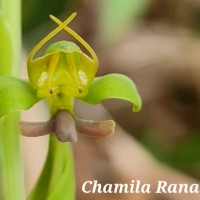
(57,178)
(116,86)
(6,50)
(184,156)
(15,95)
(11,173)
(116,16)
(188,151)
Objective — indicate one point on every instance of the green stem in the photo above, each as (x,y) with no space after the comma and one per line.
(11,179)
(10,48)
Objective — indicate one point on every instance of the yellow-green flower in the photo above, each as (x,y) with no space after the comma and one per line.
(64,72)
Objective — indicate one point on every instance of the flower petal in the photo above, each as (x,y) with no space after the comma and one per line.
(113,86)
(15,95)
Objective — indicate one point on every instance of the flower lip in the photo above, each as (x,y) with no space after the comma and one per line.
(66,127)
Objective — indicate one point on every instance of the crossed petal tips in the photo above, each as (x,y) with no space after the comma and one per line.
(67,21)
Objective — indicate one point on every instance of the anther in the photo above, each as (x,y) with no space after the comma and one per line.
(51,91)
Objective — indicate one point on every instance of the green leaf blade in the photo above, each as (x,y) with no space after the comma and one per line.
(15,95)
(56,180)
(116,86)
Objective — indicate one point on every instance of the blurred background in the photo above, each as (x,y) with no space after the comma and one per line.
(154,42)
